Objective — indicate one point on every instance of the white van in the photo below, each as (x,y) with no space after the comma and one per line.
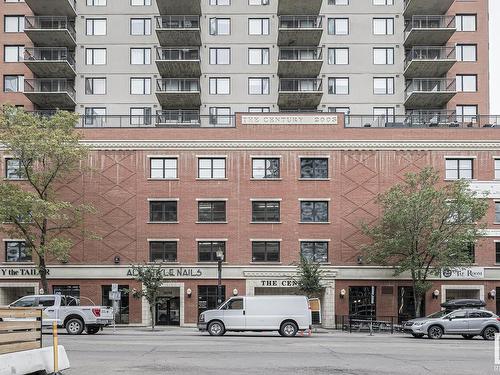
(285,314)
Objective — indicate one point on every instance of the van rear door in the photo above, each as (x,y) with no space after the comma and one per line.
(234,313)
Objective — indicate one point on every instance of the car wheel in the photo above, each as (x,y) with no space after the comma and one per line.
(489,333)
(418,335)
(468,337)
(288,329)
(435,332)
(74,326)
(216,328)
(92,330)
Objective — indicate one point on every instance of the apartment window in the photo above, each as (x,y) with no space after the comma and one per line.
(497,212)
(265,251)
(314,168)
(14,169)
(212,211)
(497,252)
(338,2)
(338,56)
(314,251)
(383,2)
(219,2)
(140,116)
(96,3)
(258,86)
(219,86)
(220,116)
(265,212)
(13,53)
(95,116)
(13,24)
(497,170)
(466,113)
(345,110)
(466,22)
(338,86)
(211,168)
(258,26)
(207,250)
(163,211)
(383,26)
(163,168)
(314,211)
(258,56)
(263,168)
(259,109)
(458,169)
(386,112)
(466,82)
(338,26)
(383,86)
(466,52)
(96,26)
(140,86)
(95,86)
(140,56)
(258,2)
(140,2)
(220,26)
(383,56)
(163,251)
(13,83)
(16,251)
(140,26)
(95,56)
(220,56)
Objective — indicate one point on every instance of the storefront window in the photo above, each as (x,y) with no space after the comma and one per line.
(207,297)
(362,301)
(406,304)
(123,305)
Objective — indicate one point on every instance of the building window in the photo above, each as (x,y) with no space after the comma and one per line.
(95,56)
(220,86)
(140,2)
(466,52)
(140,116)
(163,168)
(211,211)
(383,86)
(16,251)
(96,3)
(265,251)
(259,109)
(314,251)
(220,26)
(162,211)
(345,110)
(466,113)
(466,82)
(497,252)
(96,26)
(258,86)
(95,86)
(314,211)
(258,26)
(497,170)
(383,26)
(13,24)
(265,212)
(219,2)
(140,86)
(459,169)
(13,53)
(383,56)
(314,168)
(497,212)
(14,170)
(387,113)
(140,26)
(338,86)
(220,116)
(338,26)
(258,56)
(263,168)
(140,56)
(338,2)
(211,168)
(258,2)
(95,116)
(466,22)
(383,2)
(13,83)
(220,56)
(362,301)
(338,56)
(207,250)
(163,251)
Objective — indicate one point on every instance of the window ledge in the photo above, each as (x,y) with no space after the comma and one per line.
(15,179)
(211,222)
(163,262)
(458,179)
(314,179)
(265,222)
(265,179)
(18,263)
(162,222)
(162,179)
(211,179)
(211,262)
(266,262)
(496,223)
(314,222)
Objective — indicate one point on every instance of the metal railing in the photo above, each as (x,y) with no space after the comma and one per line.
(50,23)
(428,85)
(430,53)
(177,22)
(50,85)
(430,22)
(301,54)
(372,324)
(301,85)
(177,54)
(300,22)
(173,85)
(49,54)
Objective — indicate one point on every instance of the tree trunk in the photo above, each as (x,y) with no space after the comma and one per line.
(42,270)
(152,310)
(417,300)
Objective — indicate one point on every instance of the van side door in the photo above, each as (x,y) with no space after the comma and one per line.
(234,314)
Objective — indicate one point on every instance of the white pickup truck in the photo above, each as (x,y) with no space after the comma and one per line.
(68,313)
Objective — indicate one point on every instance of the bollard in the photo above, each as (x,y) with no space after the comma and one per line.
(55,346)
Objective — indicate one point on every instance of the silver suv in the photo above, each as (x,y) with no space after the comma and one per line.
(465,322)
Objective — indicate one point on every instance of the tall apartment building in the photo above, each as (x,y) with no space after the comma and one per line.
(185,58)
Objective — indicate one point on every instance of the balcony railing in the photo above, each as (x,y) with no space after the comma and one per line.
(49,85)
(430,53)
(430,22)
(301,54)
(430,85)
(49,23)
(49,54)
(177,54)
(177,22)
(301,85)
(177,85)
(300,22)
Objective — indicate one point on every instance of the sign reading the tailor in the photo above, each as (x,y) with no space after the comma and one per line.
(20,272)
(175,272)
(278,283)
(463,273)
(278,119)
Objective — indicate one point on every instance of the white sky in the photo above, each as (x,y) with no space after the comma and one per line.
(494,57)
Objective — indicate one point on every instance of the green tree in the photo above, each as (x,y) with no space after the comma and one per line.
(151,277)
(309,277)
(48,150)
(425,226)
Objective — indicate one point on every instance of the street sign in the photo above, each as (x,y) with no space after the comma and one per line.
(115,295)
(114,287)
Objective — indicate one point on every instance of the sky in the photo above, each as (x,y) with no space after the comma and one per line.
(494,57)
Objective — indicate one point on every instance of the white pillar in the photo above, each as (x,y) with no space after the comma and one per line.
(328,306)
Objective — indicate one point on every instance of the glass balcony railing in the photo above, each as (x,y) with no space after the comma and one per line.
(430,53)
(178,54)
(301,54)
(301,85)
(177,22)
(430,22)
(49,85)
(50,23)
(177,85)
(430,85)
(300,22)
(49,54)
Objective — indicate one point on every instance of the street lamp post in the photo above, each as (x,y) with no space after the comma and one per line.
(220,258)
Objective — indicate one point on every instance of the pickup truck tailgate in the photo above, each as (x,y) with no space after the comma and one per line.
(106,313)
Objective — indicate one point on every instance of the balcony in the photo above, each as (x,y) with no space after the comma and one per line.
(429,92)
(46,31)
(50,62)
(174,93)
(300,62)
(302,93)
(310,7)
(421,62)
(49,93)
(52,7)
(300,30)
(416,7)
(178,30)
(429,30)
(179,6)
(178,62)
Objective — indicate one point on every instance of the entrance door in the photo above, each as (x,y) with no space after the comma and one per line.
(207,297)
(168,311)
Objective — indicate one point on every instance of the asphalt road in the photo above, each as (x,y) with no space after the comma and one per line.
(186,351)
